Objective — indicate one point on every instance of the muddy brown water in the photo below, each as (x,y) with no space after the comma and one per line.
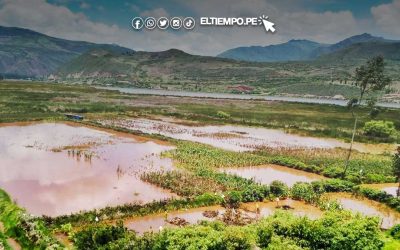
(39,170)
(390,188)
(267,173)
(388,216)
(239,138)
(158,221)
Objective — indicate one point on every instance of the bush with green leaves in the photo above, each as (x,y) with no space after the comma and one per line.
(28,230)
(379,196)
(383,129)
(304,192)
(223,115)
(279,189)
(334,230)
(99,236)
(395,231)
(232,199)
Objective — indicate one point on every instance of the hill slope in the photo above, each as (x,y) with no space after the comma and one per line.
(363,51)
(25,52)
(301,50)
(294,50)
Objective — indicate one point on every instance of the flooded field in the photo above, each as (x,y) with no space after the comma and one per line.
(154,222)
(193,216)
(390,188)
(239,138)
(388,216)
(236,138)
(55,168)
(269,173)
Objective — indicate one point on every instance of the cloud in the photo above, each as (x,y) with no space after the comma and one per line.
(56,21)
(158,12)
(291,18)
(387,17)
(84,5)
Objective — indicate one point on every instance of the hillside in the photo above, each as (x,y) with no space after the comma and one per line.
(363,51)
(294,50)
(302,50)
(26,53)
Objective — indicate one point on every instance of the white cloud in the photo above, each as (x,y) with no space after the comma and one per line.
(387,17)
(292,21)
(56,21)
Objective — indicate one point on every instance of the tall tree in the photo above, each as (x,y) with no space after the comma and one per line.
(369,78)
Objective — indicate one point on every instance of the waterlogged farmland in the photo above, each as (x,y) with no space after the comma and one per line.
(269,173)
(235,138)
(56,168)
(221,174)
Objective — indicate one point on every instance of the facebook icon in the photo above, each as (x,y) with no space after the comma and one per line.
(137,23)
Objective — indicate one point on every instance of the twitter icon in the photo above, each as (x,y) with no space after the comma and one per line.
(163,23)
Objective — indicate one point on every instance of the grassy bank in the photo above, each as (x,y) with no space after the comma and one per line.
(21,101)
(335,230)
(30,232)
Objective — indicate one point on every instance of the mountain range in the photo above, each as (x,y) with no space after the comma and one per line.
(292,67)
(300,50)
(26,53)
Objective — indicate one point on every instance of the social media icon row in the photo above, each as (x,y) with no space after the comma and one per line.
(163,23)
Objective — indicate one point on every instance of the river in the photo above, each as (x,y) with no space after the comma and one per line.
(162,92)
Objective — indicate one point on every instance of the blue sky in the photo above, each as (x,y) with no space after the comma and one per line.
(107,21)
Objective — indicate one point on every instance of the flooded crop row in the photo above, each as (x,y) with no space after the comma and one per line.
(237,138)
(55,168)
(269,173)
(388,216)
(390,188)
(192,216)
(256,210)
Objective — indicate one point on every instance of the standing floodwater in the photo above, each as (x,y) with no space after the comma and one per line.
(54,168)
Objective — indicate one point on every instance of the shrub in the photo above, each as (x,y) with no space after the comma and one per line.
(383,129)
(395,231)
(255,193)
(333,185)
(304,191)
(223,115)
(100,236)
(279,189)
(232,199)
(236,238)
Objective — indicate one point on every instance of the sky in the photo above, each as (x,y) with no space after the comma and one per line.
(107,21)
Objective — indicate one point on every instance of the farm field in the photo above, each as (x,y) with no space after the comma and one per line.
(144,172)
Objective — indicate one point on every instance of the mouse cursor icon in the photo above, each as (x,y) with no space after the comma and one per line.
(269,26)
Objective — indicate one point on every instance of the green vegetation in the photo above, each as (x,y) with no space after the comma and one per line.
(335,230)
(378,195)
(383,129)
(369,79)
(198,179)
(3,242)
(27,101)
(279,189)
(29,231)
(223,115)
(363,168)
(132,210)
(183,183)
(197,156)
(396,168)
